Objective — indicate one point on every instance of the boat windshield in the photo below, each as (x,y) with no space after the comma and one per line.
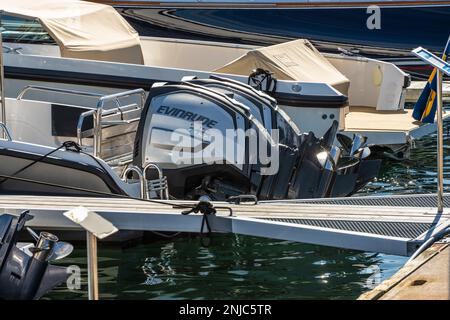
(20,30)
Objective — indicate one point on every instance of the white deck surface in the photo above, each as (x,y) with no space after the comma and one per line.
(387,127)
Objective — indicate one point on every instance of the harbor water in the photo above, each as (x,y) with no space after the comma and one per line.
(242,267)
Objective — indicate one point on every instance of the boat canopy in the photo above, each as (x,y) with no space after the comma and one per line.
(82,29)
(296,60)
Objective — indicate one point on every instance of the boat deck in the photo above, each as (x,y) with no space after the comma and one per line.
(368,224)
(387,127)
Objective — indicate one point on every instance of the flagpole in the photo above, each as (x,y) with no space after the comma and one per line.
(440,144)
(2,79)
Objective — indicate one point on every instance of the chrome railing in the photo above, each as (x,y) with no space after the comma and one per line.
(98,113)
(142,180)
(26,89)
(11,49)
(5,131)
(147,186)
(159,185)
(103,117)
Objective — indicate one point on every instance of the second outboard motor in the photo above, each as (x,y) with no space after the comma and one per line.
(27,274)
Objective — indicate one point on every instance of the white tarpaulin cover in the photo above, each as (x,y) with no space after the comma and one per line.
(295,60)
(82,29)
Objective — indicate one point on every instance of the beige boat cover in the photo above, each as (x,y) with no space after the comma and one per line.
(82,29)
(295,60)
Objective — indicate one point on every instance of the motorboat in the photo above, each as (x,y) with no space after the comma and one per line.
(56,89)
(382,29)
(70,140)
(364,95)
(249,160)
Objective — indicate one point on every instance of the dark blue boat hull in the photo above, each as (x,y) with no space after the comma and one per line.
(402,27)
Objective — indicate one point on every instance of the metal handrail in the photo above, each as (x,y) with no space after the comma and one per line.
(57,90)
(160,178)
(96,112)
(99,110)
(108,112)
(64,91)
(121,110)
(83,116)
(6,132)
(11,49)
(142,180)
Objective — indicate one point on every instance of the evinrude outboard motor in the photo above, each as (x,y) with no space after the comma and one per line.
(172,110)
(25,273)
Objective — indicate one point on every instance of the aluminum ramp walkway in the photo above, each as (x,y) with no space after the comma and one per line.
(388,224)
(412,200)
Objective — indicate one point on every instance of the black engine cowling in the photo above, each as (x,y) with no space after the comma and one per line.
(23,276)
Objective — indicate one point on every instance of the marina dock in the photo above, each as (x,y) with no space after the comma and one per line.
(425,278)
(395,225)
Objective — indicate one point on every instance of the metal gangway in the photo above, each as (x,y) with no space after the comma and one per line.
(396,225)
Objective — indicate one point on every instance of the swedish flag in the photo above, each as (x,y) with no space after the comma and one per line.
(425,107)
